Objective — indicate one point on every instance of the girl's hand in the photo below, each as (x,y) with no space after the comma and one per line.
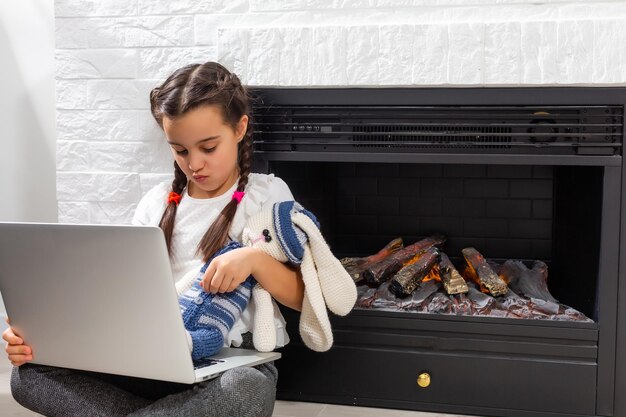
(18,352)
(228,270)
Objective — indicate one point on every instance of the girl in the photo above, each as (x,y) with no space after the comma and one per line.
(204,112)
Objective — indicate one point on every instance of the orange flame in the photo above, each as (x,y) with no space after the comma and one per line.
(469,273)
(433,274)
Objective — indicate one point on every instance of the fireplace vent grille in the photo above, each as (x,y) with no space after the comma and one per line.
(563,130)
(423,136)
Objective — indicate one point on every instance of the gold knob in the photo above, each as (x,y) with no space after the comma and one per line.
(423,380)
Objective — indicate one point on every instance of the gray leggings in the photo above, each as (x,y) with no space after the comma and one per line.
(241,392)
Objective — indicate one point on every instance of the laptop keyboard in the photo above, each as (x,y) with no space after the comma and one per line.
(204,362)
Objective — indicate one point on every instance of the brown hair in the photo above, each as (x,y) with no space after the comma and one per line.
(186,89)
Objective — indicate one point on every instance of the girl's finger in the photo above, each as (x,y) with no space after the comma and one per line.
(18,350)
(18,360)
(12,339)
(225,285)
(216,282)
(208,275)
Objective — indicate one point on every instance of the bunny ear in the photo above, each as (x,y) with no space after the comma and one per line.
(314,326)
(264,331)
(337,286)
(297,207)
(290,238)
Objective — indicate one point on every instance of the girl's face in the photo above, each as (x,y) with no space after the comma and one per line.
(205,149)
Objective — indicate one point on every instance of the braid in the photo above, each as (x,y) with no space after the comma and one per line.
(245,159)
(167,221)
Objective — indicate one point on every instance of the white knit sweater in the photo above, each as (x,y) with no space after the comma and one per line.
(193,218)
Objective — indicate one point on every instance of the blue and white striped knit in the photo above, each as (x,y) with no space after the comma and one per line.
(209,317)
(290,237)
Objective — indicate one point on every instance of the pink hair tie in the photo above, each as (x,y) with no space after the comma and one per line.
(238,195)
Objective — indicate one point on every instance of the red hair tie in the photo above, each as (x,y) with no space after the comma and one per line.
(238,195)
(175,197)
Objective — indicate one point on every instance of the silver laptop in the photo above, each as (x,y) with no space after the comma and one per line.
(102,298)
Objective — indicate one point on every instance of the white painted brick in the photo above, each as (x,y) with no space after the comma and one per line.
(592,10)
(72,156)
(355,4)
(466,53)
(140,31)
(82,186)
(574,52)
(430,54)
(321,4)
(70,33)
(148,129)
(449,3)
(90,8)
(502,53)
(96,63)
(395,56)
(204,54)
(232,50)
(609,51)
(159,63)
(538,52)
(404,3)
(328,64)
(363,44)
(113,125)
(147,7)
(206,27)
(149,181)
(130,156)
(115,156)
(103,94)
(277,5)
(263,57)
(71,94)
(295,58)
(72,212)
(111,213)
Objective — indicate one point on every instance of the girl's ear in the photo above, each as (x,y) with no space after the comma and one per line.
(242,127)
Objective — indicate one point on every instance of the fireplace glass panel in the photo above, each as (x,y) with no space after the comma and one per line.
(520,212)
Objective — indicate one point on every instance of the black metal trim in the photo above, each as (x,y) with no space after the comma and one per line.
(535,96)
(440,158)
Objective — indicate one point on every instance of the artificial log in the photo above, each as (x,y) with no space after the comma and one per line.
(419,296)
(385,269)
(482,303)
(410,276)
(355,266)
(529,283)
(517,306)
(481,272)
(440,303)
(453,282)
(461,304)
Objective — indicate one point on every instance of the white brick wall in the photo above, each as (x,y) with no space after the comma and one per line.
(110,53)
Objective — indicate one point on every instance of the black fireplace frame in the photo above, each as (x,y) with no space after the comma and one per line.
(607,338)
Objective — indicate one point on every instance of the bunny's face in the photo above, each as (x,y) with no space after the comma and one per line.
(259,233)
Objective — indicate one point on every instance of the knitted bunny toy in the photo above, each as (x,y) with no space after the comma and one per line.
(209,317)
(290,233)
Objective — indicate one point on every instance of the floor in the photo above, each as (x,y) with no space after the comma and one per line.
(282,409)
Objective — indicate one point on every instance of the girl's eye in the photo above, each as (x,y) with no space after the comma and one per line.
(209,150)
(180,152)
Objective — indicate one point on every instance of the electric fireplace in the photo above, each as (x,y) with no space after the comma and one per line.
(527,175)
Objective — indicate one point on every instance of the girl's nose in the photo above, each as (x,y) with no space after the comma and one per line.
(195,163)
